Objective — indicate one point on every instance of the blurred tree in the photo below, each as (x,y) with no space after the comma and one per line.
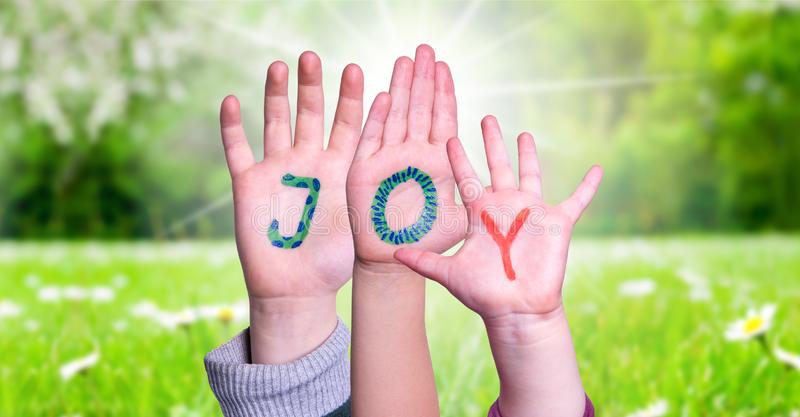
(718,152)
(107,121)
(88,92)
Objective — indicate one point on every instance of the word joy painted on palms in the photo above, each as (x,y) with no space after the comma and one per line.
(416,231)
(504,242)
(291,242)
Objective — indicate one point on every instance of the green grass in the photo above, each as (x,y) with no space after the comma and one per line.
(632,351)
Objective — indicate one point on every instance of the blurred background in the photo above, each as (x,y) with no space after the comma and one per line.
(116,214)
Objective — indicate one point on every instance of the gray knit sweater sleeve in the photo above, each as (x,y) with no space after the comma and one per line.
(315,385)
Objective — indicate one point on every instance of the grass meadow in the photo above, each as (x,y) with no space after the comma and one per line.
(648,316)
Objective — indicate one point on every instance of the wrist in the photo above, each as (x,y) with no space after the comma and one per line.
(388,278)
(525,329)
(287,328)
(536,364)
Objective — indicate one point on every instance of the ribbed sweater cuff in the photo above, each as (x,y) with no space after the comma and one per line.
(312,386)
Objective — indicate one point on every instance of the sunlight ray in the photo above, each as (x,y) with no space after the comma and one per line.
(507,38)
(387,22)
(251,36)
(220,202)
(607,83)
(288,52)
(461,24)
(422,13)
(348,27)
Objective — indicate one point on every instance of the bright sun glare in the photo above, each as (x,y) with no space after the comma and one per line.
(479,48)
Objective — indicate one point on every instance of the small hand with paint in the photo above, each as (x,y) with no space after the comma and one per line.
(510,271)
(292,230)
(401,192)
(400,187)
(515,253)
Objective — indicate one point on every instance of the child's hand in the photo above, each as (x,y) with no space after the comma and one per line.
(510,271)
(402,152)
(515,253)
(292,232)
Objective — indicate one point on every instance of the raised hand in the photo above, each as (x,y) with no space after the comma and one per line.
(514,256)
(400,187)
(510,271)
(401,192)
(292,232)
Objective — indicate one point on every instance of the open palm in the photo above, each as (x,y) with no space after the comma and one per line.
(536,235)
(292,231)
(402,152)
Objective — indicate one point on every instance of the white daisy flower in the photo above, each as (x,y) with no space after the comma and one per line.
(657,409)
(698,285)
(234,313)
(74,293)
(208,311)
(637,288)
(101,294)
(217,259)
(171,320)
(756,323)
(9,309)
(95,252)
(185,317)
(699,293)
(70,369)
(120,325)
(225,313)
(241,311)
(145,308)
(692,278)
(49,294)
(787,358)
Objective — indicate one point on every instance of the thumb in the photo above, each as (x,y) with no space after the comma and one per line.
(427,264)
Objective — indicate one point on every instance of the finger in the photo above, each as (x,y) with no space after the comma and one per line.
(499,168)
(580,199)
(310,103)
(349,112)
(237,150)
(370,140)
(427,264)
(400,89)
(445,120)
(530,176)
(277,123)
(420,105)
(469,185)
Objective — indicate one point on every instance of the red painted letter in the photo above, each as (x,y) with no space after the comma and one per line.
(504,242)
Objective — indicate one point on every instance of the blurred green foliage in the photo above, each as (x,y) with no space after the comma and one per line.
(718,152)
(107,127)
(89,94)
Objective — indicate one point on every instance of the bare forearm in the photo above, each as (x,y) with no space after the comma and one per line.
(285,329)
(537,366)
(391,366)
